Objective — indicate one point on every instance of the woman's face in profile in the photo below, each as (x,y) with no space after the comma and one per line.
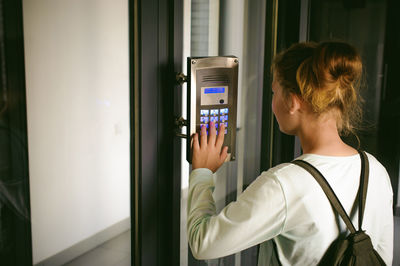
(278,102)
(280,108)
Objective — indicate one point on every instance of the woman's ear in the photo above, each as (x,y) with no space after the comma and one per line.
(295,103)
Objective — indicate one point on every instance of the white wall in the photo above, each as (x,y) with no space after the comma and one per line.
(77,75)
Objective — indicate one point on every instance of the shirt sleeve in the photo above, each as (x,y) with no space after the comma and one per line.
(385,244)
(257,215)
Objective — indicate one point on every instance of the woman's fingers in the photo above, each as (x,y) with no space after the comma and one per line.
(221,135)
(203,137)
(224,154)
(211,138)
(196,145)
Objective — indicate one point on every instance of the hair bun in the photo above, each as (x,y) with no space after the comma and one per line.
(339,61)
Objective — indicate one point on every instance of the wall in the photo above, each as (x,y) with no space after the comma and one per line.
(77,75)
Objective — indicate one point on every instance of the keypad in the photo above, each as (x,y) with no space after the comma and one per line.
(218,116)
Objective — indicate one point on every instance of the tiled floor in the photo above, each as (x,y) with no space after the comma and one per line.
(116,252)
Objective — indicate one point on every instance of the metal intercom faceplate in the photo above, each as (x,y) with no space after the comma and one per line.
(212,97)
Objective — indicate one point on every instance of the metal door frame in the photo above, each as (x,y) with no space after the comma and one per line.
(284,19)
(12,67)
(156,32)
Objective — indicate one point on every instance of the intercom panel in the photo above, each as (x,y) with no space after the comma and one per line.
(212,97)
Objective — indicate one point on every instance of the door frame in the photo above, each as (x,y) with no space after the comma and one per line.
(284,22)
(12,67)
(156,43)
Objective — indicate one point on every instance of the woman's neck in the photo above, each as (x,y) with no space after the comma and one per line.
(320,136)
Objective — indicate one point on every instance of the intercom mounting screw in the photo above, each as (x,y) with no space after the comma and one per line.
(180,78)
(236,61)
(194,62)
(180,122)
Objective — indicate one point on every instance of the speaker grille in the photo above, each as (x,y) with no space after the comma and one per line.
(216,78)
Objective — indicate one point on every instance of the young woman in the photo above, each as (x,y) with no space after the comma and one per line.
(316,99)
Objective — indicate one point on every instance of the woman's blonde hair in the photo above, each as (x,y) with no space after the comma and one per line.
(326,76)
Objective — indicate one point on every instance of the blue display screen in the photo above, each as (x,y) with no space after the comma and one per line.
(214,90)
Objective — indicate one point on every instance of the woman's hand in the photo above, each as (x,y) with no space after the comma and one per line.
(209,154)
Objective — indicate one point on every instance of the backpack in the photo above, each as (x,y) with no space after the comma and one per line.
(356,248)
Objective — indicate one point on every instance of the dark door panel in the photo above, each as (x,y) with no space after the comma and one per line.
(15,227)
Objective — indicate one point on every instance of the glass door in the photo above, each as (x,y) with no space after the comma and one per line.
(325,25)
(15,215)
(218,27)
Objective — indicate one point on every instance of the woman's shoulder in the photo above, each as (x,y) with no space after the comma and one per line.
(374,163)
(279,169)
(285,172)
(378,173)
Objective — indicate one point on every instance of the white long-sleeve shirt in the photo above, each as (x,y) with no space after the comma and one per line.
(287,204)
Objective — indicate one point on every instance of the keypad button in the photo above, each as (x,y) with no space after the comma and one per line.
(214,112)
(225,123)
(223,111)
(214,119)
(226,131)
(204,119)
(204,112)
(205,125)
(223,118)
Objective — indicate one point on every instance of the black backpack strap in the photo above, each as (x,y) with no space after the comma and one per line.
(362,192)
